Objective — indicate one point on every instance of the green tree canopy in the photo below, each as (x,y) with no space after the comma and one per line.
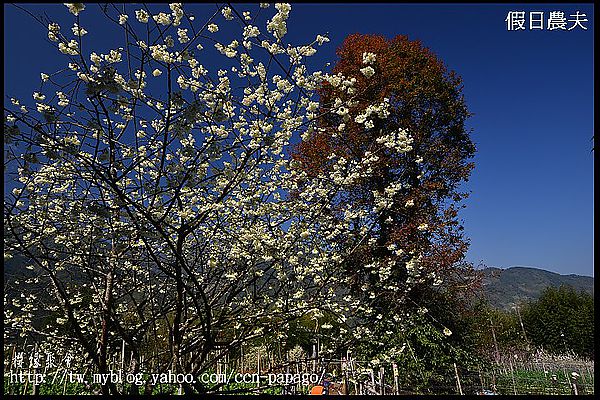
(562,319)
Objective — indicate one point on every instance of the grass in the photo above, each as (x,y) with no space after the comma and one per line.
(524,381)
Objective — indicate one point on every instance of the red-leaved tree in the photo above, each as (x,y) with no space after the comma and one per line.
(419,235)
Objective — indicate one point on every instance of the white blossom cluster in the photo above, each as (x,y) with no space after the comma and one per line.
(77,30)
(142,16)
(400,141)
(75,8)
(182,195)
(53,31)
(368,71)
(70,48)
(278,24)
(369,58)
(379,110)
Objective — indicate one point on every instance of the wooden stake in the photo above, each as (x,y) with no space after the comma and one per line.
(372,378)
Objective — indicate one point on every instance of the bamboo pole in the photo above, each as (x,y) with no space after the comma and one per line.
(298,385)
(497,355)
(13,357)
(26,384)
(458,380)
(123,363)
(522,327)
(65,382)
(36,387)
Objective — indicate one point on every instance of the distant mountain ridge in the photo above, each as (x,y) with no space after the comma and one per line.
(505,288)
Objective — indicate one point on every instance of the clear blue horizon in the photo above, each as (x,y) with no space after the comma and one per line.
(531,93)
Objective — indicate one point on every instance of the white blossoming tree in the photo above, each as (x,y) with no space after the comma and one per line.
(153,199)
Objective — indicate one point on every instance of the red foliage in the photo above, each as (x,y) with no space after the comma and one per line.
(425,99)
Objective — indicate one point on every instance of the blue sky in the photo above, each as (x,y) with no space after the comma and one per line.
(531,93)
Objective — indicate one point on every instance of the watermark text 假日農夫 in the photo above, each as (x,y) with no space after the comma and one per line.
(550,21)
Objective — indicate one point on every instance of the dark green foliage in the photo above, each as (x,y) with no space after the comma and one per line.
(496,332)
(561,320)
(432,343)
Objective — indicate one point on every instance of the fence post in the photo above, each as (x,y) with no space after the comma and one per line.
(372,372)
(123,355)
(396,387)
(357,389)
(258,367)
(298,385)
(314,357)
(346,382)
(574,382)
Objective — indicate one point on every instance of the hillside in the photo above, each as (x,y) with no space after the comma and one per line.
(507,287)
(502,287)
